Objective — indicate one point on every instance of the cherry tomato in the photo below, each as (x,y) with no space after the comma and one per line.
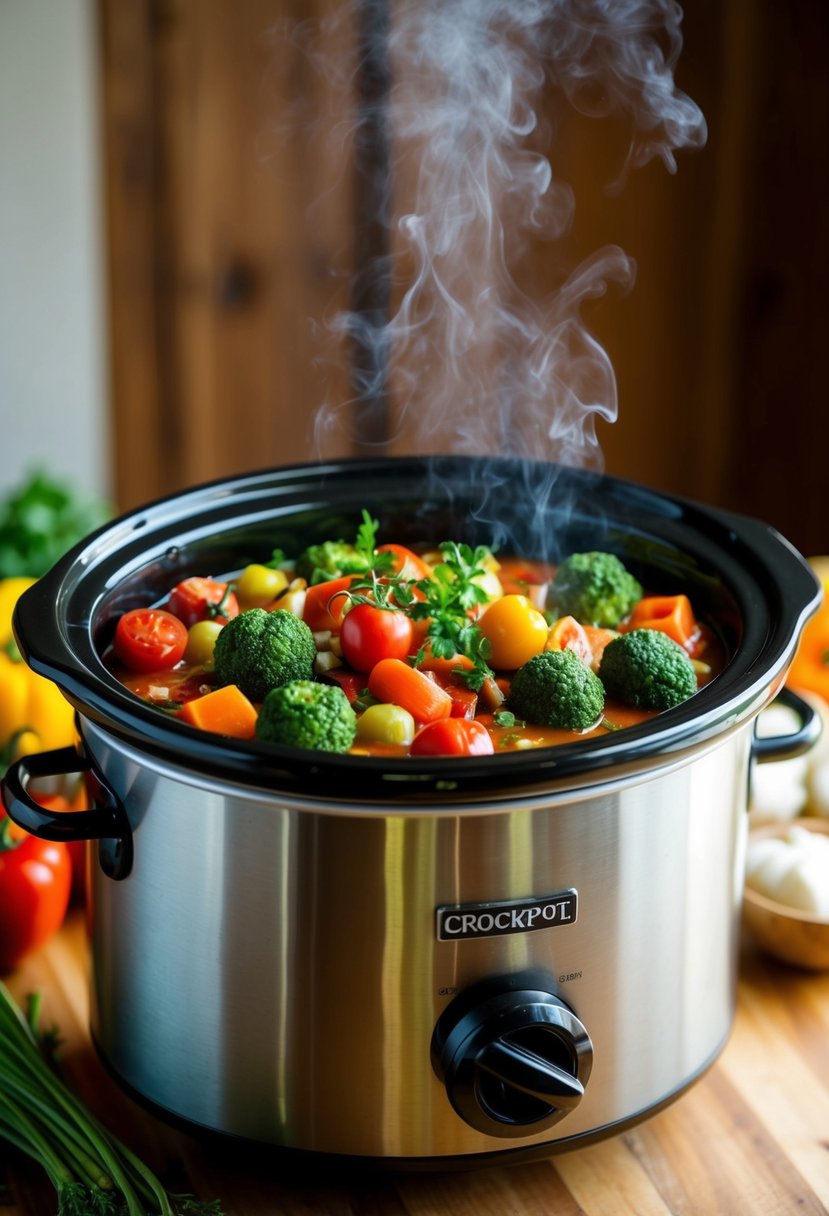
(452,737)
(35,882)
(202,599)
(515,631)
(149,639)
(369,634)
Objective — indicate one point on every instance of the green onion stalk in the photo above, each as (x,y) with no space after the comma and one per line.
(93,1173)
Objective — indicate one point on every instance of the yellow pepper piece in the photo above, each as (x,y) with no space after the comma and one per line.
(34,715)
(10,591)
(14,697)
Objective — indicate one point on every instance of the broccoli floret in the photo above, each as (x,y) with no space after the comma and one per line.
(556,688)
(595,588)
(331,559)
(648,670)
(305,714)
(260,650)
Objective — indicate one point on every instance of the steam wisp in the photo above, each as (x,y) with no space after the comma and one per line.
(469,360)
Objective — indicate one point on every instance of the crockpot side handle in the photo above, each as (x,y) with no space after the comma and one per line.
(106,821)
(786,747)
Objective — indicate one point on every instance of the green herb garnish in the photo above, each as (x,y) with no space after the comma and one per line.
(93,1173)
(448,598)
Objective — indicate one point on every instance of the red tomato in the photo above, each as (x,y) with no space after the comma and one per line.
(452,737)
(369,634)
(75,848)
(35,881)
(202,599)
(149,639)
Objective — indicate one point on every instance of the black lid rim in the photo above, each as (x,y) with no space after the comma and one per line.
(771,584)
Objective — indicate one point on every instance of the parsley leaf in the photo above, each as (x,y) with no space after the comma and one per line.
(448,598)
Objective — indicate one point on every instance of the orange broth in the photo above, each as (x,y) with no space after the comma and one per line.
(170,689)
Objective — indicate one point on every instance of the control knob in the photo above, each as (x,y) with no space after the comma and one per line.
(513,1056)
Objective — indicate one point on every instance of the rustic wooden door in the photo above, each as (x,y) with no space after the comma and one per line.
(232,213)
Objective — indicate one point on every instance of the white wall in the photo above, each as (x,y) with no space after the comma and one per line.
(53,411)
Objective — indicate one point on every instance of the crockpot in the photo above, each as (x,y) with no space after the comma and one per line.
(417,960)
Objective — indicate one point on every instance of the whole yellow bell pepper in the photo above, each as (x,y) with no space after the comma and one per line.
(34,716)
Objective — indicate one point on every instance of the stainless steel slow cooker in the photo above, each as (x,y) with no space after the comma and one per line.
(417,960)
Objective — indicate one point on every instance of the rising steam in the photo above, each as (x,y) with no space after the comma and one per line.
(467,359)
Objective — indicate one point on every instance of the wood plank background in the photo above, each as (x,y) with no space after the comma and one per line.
(751,1138)
(231,229)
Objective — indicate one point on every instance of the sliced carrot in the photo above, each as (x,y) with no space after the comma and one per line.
(396,683)
(226,711)
(446,672)
(325,604)
(567,634)
(672,614)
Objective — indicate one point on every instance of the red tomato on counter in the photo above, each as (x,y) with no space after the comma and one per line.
(75,848)
(35,882)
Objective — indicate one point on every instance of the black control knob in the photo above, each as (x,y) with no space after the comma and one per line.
(513,1057)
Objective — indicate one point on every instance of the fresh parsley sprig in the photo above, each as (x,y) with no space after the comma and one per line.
(450,596)
(447,600)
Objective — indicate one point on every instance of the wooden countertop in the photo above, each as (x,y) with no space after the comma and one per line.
(751,1138)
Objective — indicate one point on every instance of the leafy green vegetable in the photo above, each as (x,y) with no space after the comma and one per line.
(648,670)
(261,650)
(40,521)
(93,1173)
(445,600)
(306,714)
(555,688)
(594,587)
(335,558)
(448,598)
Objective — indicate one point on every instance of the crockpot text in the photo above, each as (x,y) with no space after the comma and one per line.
(509,916)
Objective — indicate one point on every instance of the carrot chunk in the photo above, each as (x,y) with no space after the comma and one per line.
(396,683)
(225,711)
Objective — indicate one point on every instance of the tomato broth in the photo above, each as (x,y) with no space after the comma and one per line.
(505,615)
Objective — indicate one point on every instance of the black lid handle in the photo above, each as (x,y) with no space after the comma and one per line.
(797,742)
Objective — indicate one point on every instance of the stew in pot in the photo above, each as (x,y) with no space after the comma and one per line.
(378,649)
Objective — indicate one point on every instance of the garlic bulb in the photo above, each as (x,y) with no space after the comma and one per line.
(792,870)
(778,788)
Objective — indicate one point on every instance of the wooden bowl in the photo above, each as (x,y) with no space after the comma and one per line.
(786,933)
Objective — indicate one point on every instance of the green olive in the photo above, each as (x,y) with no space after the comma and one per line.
(201,638)
(386,724)
(258,585)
